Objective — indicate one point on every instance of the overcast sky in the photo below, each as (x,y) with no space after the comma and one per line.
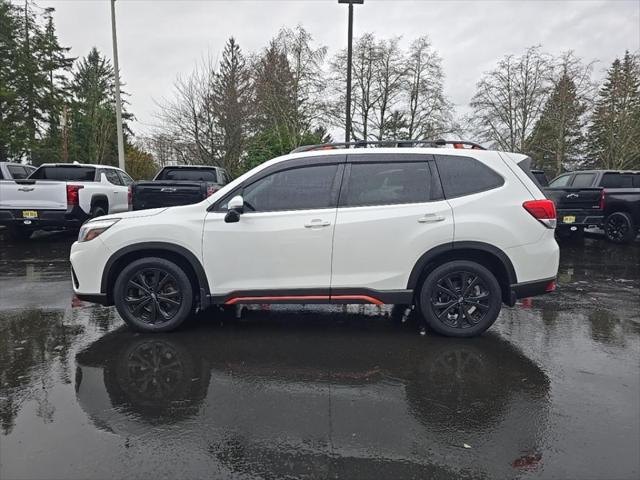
(159,39)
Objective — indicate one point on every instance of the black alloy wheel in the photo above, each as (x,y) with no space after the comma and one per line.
(619,228)
(460,299)
(153,295)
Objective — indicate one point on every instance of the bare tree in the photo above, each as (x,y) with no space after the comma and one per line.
(509,100)
(389,79)
(190,117)
(429,113)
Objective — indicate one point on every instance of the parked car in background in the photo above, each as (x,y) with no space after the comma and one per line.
(15,171)
(456,232)
(62,196)
(178,185)
(609,199)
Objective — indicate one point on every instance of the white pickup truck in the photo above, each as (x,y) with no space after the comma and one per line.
(62,196)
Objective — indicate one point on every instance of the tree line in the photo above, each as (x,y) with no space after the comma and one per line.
(249,107)
(53,107)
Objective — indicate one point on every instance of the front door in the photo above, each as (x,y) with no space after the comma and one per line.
(281,246)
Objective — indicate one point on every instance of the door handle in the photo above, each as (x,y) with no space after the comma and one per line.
(431,218)
(317,223)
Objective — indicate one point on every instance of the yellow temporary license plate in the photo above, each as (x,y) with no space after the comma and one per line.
(29,214)
(568,219)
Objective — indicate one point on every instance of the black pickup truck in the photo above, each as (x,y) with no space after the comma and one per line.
(609,199)
(178,185)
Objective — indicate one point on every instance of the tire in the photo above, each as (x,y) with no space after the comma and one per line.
(18,233)
(619,228)
(97,211)
(153,295)
(446,313)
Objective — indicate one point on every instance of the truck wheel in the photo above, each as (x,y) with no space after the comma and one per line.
(153,295)
(619,228)
(460,299)
(97,211)
(17,233)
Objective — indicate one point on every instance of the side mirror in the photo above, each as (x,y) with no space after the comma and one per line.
(235,208)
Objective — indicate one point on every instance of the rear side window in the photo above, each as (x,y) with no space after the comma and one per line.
(64,173)
(303,188)
(617,180)
(583,179)
(191,174)
(17,172)
(389,183)
(464,175)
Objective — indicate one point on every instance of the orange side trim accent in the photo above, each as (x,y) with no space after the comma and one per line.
(366,298)
(302,298)
(233,301)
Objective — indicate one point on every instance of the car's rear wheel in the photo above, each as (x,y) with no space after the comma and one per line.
(97,211)
(460,299)
(153,295)
(619,228)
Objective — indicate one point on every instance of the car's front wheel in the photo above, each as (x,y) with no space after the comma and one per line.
(153,295)
(460,299)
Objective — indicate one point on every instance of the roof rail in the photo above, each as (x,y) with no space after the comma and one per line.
(389,144)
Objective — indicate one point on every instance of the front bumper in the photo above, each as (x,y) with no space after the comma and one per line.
(88,260)
(71,218)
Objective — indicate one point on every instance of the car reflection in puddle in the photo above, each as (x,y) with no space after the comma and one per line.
(296,393)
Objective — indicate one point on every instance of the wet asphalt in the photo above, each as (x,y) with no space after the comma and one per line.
(551,391)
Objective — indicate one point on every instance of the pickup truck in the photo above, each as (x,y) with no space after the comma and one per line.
(178,185)
(15,171)
(62,196)
(609,199)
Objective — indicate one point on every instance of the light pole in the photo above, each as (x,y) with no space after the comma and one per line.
(117,78)
(347,129)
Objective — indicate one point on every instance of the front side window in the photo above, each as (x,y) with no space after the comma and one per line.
(389,183)
(560,181)
(465,175)
(112,176)
(126,179)
(303,188)
(583,180)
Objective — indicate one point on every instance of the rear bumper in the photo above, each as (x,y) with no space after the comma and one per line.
(582,218)
(532,289)
(71,218)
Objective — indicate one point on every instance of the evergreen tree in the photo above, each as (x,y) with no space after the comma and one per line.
(12,122)
(557,136)
(614,133)
(93,118)
(232,92)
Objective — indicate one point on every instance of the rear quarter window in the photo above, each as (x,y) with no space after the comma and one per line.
(583,180)
(617,180)
(462,176)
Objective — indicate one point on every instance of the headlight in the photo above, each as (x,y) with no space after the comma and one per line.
(94,228)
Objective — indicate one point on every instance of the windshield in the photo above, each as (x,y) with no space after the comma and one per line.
(65,173)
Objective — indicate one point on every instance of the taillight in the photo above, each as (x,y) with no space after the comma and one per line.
(542,210)
(130,197)
(73,196)
(602,196)
(211,189)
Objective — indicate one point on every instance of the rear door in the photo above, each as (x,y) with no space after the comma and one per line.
(391,211)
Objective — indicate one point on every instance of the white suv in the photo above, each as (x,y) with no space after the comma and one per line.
(456,232)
